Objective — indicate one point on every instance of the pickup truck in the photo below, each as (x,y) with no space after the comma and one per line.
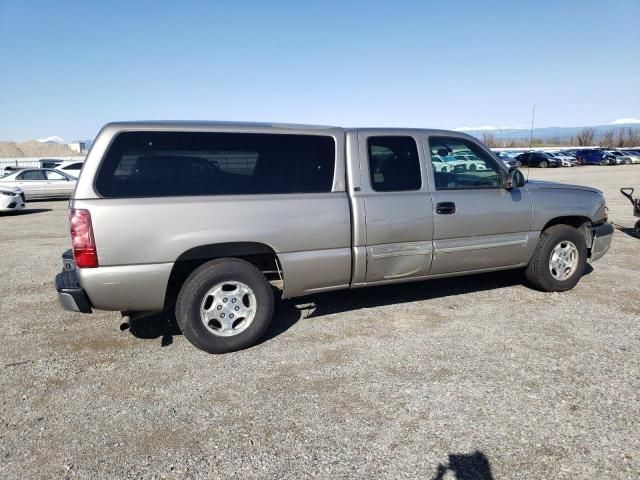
(212,220)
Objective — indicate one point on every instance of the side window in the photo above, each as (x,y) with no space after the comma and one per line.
(31,175)
(51,175)
(394,165)
(460,164)
(73,166)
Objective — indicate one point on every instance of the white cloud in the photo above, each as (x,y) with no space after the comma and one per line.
(625,121)
(52,138)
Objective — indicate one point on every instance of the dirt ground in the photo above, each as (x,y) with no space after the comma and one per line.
(477,377)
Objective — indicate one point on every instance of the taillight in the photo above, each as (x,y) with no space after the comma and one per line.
(82,241)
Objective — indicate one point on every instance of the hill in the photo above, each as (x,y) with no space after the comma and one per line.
(33,148)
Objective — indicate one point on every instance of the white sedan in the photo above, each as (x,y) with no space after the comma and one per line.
(11,198)
(40,182)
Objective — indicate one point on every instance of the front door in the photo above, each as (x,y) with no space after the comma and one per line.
(397,206)
(478,224)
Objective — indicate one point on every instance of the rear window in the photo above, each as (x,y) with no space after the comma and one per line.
(73,166)
(157,164)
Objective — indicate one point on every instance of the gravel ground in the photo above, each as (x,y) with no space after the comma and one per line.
(478,377)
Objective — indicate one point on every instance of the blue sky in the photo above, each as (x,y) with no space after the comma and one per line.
(68,67)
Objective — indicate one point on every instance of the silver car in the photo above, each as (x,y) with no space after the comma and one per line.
(41,182)
(203,219)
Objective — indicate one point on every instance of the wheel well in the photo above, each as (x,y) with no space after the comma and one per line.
(259,254)
(578,222)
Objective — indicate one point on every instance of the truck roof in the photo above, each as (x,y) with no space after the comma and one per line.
(206,124)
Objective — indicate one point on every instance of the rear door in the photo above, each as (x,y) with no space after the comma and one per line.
(478,224)
(395,204)
(58,184)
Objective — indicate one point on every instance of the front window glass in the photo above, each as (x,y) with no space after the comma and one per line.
(31,175)
(468,167)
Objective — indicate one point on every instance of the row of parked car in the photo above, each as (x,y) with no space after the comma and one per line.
(19,184)
(570,158)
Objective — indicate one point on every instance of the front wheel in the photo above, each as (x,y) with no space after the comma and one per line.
(224,305)
(544,164)
(559,260)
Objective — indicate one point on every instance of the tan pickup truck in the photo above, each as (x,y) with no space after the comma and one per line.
(202,217)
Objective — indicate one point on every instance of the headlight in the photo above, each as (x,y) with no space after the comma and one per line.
(9,194)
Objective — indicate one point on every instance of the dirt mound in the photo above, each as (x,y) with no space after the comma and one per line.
(33,148)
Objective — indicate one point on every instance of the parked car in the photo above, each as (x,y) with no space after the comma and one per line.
(565,160)
(70,168)
(509,161)
(40,182)
(633,155)
(198,218)
(439,165)
(594,157)
(619,157)
(11,198)
(10,169)
(538,159)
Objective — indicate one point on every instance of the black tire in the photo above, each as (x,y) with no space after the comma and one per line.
(636,229)
(193,292)
(544,164)
(538,272)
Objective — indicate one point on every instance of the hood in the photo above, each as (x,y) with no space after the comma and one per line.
(10,189)
(542,185)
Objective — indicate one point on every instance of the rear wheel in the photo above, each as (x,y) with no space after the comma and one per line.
(224,305)
(559,260)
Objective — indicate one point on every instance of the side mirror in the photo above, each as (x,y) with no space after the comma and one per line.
(515,179)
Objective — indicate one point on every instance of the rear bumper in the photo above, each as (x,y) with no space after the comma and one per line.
(70,294)
(602,235)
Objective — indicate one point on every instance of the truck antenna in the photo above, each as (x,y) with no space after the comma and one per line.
(533,116)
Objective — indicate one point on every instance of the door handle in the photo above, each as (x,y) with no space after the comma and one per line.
(446,208)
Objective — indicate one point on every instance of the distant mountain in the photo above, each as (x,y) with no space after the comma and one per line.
(51,139)
(546,133)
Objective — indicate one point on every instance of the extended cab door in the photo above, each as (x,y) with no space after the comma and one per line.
(391,206)
(478,224)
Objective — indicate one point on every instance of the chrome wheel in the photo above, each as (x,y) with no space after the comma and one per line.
(228,308)
(564,260)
